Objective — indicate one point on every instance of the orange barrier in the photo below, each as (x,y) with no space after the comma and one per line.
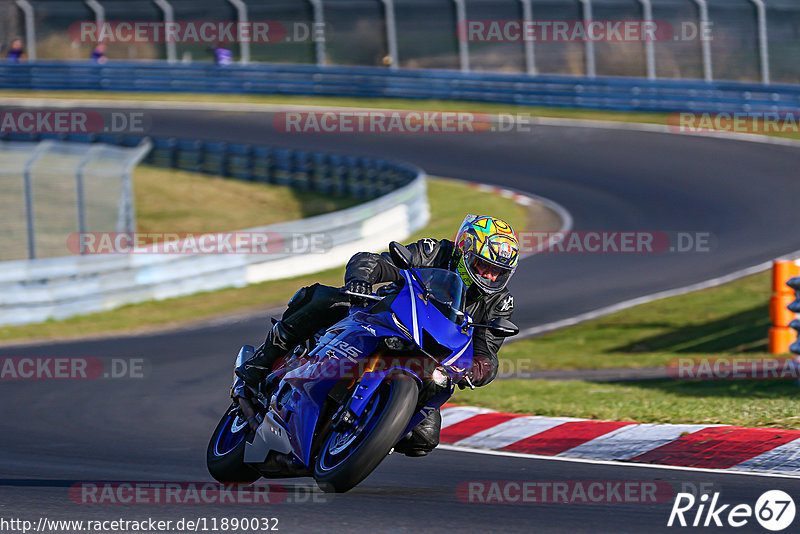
(781,335)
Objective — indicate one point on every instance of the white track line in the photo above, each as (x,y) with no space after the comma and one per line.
(614,463)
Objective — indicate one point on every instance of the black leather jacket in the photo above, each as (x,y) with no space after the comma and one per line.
(376,268)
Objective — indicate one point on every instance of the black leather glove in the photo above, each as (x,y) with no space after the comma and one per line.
(359,286)
(463,384)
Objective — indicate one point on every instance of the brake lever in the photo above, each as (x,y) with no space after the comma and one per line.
(469,382)
(363,295)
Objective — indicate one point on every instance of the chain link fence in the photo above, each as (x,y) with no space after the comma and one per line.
(748,40)
(50,190)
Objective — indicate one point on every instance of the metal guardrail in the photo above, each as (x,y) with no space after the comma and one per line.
(34,291)
(56,288)
(615,93)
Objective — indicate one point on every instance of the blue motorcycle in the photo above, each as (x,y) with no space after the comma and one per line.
(342,401)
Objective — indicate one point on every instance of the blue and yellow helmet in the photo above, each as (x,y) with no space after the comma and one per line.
(488,252)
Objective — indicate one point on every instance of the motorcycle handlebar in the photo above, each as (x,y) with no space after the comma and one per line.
(364,295)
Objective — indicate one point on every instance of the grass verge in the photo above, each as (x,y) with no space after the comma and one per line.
(727,320)
(449,202)
(383,103)
(169,200)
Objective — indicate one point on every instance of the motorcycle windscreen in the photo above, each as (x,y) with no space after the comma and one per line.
(426,321)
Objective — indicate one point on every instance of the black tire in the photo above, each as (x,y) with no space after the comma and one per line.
(385,424)
(225,454)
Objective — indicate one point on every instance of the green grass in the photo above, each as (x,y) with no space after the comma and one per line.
(449,201)
(731,319)
(750,403)
(181,201)
(386,103)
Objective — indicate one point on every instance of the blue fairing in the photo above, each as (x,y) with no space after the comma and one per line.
(344,349)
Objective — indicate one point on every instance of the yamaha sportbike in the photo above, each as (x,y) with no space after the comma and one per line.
(337,407)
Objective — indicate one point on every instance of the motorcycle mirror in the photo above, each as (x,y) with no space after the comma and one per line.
(401,256)
(502,327)
(402,259)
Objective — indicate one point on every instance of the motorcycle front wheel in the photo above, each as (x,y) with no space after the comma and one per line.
(225,454)
(349,455)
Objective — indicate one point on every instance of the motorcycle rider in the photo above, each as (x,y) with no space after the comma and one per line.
(484,254)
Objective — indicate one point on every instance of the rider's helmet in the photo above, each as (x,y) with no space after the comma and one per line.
(488,251)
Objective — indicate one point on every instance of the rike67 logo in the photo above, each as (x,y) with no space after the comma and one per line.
(774,510)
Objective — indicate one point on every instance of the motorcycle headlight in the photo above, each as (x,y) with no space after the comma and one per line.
(440,377)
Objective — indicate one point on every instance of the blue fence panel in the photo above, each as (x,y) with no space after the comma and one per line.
(605,92)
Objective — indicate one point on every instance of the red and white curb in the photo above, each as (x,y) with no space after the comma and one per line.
(520,198)
(762,450)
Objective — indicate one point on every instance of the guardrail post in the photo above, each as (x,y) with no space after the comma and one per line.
(763,44)
(463,44)
(319,23)
(649,45)
(169,18)
(30,28)
(591,69)
(705,44)
(28,189)
(530,58)
(781,307)
(127,221)
(79,196)
(391,32)
(244,44)
(99,14)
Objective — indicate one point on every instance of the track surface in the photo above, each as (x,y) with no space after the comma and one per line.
(156,428)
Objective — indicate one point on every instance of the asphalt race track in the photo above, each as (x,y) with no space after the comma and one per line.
(54,434)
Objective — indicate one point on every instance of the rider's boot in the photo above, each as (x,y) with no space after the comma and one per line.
(278,343)
(423,438)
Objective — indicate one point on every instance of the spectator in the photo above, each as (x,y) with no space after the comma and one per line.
(99,54)
(222,56)
(16,52)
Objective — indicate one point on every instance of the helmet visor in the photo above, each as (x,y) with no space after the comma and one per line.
(490,276)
